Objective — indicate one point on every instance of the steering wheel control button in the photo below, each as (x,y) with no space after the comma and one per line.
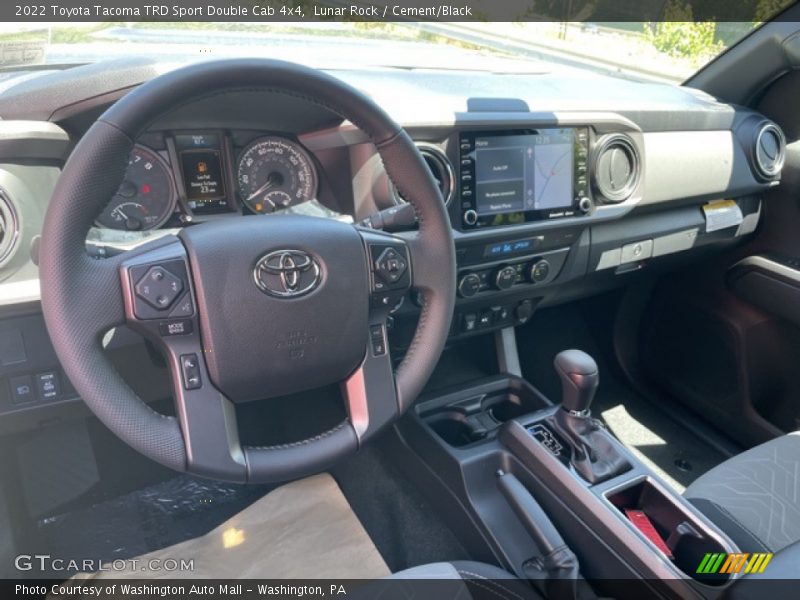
(184,307)
(47,385)
(391,275)
(159,288)
(377,339)
(190,370)
(22,389)
(391,265)
(179,327)
(469,285)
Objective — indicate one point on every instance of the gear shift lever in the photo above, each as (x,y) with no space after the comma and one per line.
(579,380)
(594,456)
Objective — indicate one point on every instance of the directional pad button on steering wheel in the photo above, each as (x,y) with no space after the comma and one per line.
(159,288)
(391,265)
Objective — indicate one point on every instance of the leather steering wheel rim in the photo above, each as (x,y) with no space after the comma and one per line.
(81,296)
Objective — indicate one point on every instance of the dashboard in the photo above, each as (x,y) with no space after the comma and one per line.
(553,193)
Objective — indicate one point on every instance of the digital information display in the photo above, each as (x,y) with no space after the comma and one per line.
(520,173)
(507,248)
(201,166)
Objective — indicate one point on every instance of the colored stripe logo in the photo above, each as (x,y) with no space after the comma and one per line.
(742,562)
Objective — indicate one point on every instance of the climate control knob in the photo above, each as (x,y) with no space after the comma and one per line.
(469,285)
(538,271)
(505,277)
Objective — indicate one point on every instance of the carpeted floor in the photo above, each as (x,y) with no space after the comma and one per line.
(400,521)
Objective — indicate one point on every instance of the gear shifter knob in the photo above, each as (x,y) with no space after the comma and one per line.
(579,379)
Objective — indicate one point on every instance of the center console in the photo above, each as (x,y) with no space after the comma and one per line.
(528,476)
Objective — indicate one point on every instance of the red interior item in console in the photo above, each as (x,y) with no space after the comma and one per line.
(643,523)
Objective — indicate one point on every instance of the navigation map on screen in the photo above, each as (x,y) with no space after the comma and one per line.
(516,173)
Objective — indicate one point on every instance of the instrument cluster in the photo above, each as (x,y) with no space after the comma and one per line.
(183,176)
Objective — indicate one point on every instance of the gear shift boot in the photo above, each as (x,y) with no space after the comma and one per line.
(594,456)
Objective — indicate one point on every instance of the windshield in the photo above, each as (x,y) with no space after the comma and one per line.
(663,51)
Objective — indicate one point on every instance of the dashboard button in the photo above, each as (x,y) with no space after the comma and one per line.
(470,322)
(469,285)
(21,389)
(505,277)
(636,251)
(539,271)
(470,216)
(48,386)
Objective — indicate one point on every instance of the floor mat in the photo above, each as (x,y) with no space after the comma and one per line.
(401,522)
(301,530)
(661,442)
(147,519)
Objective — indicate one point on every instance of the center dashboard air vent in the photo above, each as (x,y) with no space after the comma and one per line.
(440,167)
(9,229)
(616,168)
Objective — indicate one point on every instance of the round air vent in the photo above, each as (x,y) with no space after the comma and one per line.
(441,169)
(769,150)
(616,168)
(9,229)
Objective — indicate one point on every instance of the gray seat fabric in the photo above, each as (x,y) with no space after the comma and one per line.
(755,497)
(461,580)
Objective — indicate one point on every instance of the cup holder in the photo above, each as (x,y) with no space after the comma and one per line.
(508,406)
(452,427)
(474,414)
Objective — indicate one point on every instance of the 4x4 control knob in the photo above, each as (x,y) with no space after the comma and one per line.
(538,271)
(469,285)
(505,277)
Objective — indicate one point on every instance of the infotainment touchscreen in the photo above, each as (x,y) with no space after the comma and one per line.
(522,176)
(523,172)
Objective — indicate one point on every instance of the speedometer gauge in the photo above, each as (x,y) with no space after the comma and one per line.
(275,173)
(145,198)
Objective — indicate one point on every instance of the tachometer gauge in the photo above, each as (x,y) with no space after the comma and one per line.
(275,173)
(145,198)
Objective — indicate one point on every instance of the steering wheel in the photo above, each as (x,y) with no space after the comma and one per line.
(249,307)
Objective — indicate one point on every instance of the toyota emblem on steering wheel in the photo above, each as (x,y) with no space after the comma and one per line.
(286,273)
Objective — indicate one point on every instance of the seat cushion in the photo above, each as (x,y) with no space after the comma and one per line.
(755,497)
